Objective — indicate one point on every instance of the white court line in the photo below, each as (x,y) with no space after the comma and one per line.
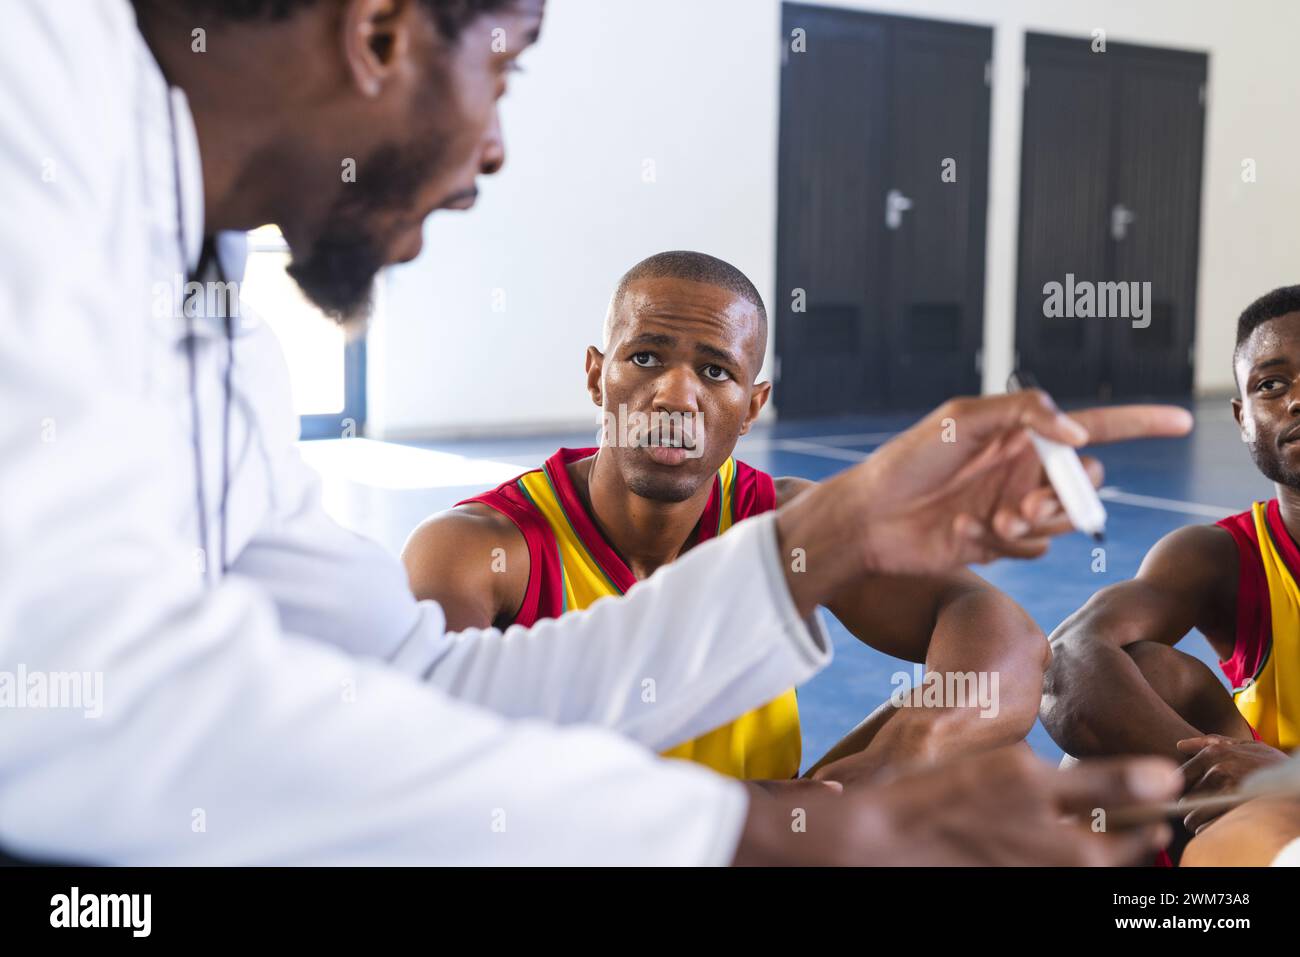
(1112,494)
(1109,493)
(763,443)
(849,438)
(814,448)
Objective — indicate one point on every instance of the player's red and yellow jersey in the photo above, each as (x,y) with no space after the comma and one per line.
(571,565)
(1265,665)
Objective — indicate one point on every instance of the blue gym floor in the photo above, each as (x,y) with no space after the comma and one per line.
(383,490)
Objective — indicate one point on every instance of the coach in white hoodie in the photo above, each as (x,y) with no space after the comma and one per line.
(271,691)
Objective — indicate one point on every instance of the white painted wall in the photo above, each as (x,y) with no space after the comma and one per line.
(692,85)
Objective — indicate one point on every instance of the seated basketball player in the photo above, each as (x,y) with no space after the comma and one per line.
(685,337)
(1117,685)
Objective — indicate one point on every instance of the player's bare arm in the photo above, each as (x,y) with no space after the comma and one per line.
(473,561)
(1099,696)
(951,622)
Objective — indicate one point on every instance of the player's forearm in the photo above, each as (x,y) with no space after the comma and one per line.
(984,668)
(818,543)
(983,682)
(1096,701)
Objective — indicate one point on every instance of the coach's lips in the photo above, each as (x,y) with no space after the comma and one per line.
(462,201)
(1289,436)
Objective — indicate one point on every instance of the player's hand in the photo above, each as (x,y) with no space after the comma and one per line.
(1007,807)
(1219,765)
(962,485)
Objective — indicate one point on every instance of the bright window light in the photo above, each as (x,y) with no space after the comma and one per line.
(388,465)
(313,344)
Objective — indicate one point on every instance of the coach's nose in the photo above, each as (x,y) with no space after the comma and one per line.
(493,154)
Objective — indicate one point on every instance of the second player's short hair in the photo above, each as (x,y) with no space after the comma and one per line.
(1271,305)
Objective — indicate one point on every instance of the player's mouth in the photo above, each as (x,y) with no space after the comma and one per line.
(667,454)
(672,449)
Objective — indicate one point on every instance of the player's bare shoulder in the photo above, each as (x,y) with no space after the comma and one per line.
(465,533)
(1201,563)
(469,557)
(1199,555)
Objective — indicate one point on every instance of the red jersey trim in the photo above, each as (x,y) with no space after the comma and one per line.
(544,594)
(753,493)
(1282,539)
(584,527)
(710,523)
(1254,613)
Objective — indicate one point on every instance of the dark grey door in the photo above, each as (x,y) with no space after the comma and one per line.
(1109,209)
(938,158)
(883,172)
(830,246)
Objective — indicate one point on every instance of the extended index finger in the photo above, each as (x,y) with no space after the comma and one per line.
(1119,422)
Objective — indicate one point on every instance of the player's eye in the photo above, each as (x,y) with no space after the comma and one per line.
(645,359)
(716,373)
(1268,385)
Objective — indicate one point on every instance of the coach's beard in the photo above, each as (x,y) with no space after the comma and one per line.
(338,275)
(337,272)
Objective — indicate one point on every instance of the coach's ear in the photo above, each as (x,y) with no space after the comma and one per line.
(376,41)
(595,366)
(1236,414)
(757,399)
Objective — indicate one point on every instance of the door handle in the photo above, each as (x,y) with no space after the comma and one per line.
(1120,218)
(896,204)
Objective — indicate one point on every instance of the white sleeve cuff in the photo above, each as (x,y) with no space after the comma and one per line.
(1289,856)
(811,642)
